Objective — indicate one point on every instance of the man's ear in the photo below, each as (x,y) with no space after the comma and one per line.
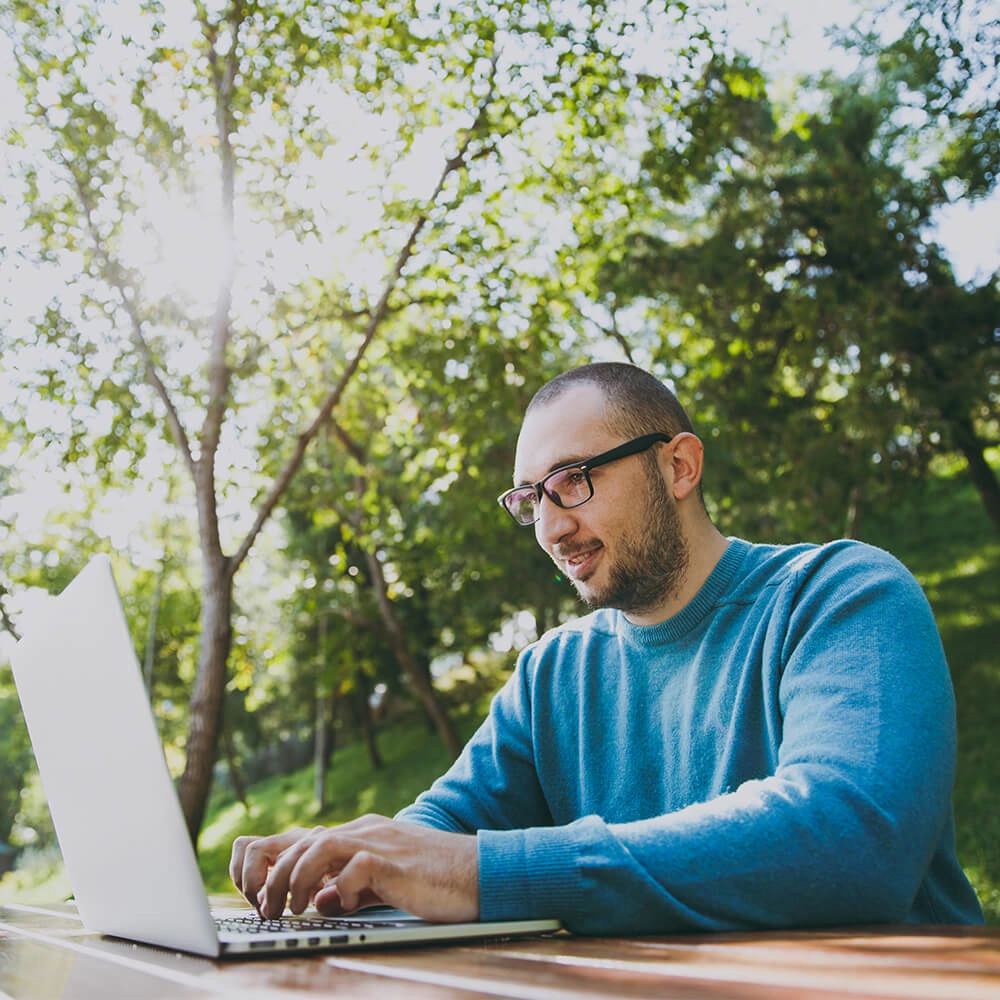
(685,455)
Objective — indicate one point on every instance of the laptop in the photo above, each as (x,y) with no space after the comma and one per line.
(117,818)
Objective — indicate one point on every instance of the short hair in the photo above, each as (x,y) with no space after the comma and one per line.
(637,402)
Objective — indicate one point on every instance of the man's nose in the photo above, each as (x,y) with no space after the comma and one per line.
(554,522)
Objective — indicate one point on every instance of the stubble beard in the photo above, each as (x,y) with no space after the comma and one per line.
(652,559)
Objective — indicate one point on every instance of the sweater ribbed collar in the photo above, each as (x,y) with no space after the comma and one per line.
(695,611)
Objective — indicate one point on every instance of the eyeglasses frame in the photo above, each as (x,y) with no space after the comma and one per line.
(633,447)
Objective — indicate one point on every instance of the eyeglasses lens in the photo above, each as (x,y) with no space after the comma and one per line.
(523,504)
(568,488)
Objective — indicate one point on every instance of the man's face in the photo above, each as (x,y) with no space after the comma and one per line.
(625,547)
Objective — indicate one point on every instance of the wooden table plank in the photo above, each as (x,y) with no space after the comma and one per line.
(45,954)
(871,965)
(34,969)
(52,957)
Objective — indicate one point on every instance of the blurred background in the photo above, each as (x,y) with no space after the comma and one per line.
(278,279)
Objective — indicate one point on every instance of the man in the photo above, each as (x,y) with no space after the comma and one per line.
(742,736)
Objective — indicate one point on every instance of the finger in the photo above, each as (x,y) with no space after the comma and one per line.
(313,868)
(277,885)
(361,876)
(236,860)
(259,854)
(328,902)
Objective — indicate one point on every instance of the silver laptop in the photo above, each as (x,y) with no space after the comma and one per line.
(119,824)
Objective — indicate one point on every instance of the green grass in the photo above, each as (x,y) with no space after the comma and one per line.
(945,537)
(413,757)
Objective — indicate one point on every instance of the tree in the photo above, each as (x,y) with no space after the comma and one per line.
(810,311)
(15,756)
(224,114)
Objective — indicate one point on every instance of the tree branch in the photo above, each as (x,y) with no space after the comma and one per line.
(5,620)
(177,430)
(112,273)
(609,331)
(378,314)
(224,72)
(350,445)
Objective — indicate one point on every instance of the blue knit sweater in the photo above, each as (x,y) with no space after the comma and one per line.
(780,753)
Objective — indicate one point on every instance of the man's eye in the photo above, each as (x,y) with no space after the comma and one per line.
(569,481)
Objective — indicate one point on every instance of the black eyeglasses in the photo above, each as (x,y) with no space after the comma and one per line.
(569,485)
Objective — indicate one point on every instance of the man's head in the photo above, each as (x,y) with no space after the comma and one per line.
(622,537)
(636,402)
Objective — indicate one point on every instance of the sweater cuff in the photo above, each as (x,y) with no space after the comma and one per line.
(526,874)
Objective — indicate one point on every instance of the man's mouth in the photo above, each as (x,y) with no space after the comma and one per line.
(578,564)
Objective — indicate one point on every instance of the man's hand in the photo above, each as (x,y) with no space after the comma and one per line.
(427,872)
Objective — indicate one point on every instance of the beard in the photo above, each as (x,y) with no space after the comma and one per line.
(652,558)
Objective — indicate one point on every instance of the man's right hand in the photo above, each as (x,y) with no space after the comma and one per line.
(431,873)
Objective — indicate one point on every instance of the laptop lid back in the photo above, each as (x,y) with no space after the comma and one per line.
(116,815)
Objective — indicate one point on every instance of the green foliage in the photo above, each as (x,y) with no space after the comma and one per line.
(943,64)
(222,208)
(16,758)
(821,334)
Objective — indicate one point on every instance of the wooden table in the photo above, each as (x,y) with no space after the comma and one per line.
(45,954)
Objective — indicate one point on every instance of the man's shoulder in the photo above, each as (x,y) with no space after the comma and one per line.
(805,564)
(602,621)
(805,558)
(598,626)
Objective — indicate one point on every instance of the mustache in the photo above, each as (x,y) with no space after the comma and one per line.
(568,551)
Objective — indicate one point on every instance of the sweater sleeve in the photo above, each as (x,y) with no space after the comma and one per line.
(844,830)
(494,783)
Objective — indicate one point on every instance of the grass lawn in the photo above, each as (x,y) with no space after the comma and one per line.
(413,757)
(946,539)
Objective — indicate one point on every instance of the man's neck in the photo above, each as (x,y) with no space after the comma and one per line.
(706,546)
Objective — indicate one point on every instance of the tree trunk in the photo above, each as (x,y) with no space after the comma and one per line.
(321,728)
(149,653)
(235,778)
(367,722)
(321,747)
(980,471)
(209,688)
(852,521)
(419,678)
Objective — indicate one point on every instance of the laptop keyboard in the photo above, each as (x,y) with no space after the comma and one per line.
(252,924)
